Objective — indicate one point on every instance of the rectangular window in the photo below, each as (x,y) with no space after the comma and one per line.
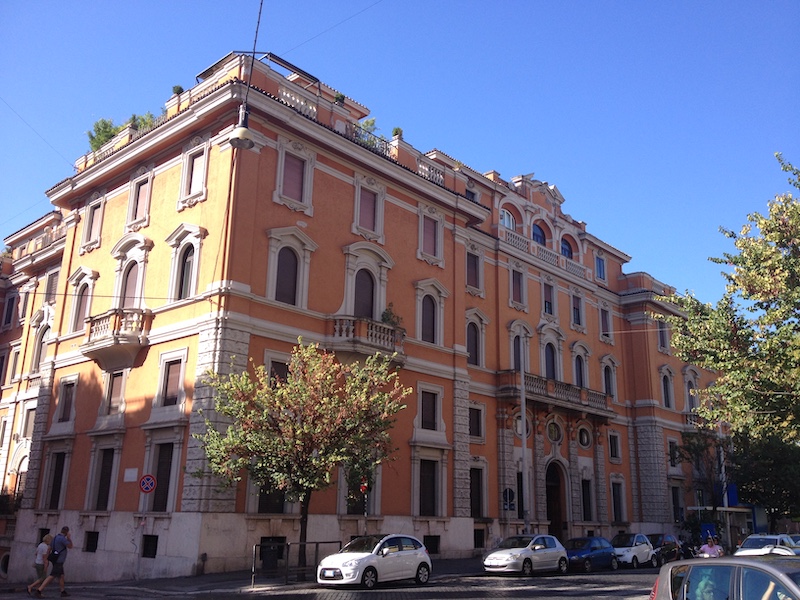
(430,236)
(366,210)
(197,173)
(104,479)
(428,416)
(270,501)
(600,267)
(3,362)
(586,496)
(163,472)
(673,454)
(140,194)
(605,323)
(475,493)
(14,363)
(8,311)
(475,422)
(90,541)
(663,338)
(293,171)
(171,385)
(516,287)
(677,509)
(27,427)
(149,546)
(577,310)
(94,222)
(115,393)
(470,195)
(548,298)
(67,399)
(613,446)
(427,488)
(616,501)
(473,263)
(56,480)
(278,371)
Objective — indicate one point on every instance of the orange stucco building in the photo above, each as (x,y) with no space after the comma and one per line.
(171,252)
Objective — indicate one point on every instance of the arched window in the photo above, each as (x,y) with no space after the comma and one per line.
(550,361)
(286,281)
(364,304)
(691,401)
(667,387)
(473,344)
(537,234)
(428,319)
(186,269)
(81,307)
(129,283)
(507,219)
(41,350)
(579,374)
(517,352)
(566,249)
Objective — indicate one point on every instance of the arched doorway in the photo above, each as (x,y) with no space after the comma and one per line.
(556,511)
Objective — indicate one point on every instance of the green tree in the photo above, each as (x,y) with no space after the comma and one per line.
(102,131)
(751,337)
(767,473)
(292,435)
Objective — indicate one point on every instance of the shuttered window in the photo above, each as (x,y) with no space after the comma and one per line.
(163,474)
(366,209)
(293,169)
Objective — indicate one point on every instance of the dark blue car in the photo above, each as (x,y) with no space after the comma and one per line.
(587,553)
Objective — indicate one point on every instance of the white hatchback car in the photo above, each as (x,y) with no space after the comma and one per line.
(369,559)
(634,549)
(527,553)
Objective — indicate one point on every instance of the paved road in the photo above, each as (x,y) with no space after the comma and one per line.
(621,585)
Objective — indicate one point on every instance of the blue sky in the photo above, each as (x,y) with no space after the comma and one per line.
(657,121)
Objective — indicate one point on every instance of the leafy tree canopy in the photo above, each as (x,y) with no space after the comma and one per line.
(751,337)
(104,129)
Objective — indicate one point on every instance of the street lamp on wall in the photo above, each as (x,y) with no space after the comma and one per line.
(242,137)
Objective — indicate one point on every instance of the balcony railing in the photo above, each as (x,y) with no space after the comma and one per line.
(114,338)
(362,137)
(40,242)
(559,393)
(543,253)
(366,336)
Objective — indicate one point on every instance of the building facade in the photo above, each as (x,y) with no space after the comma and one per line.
(171,253)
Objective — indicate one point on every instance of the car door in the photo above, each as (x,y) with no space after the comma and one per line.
(390,561)
(544,558)
(409,558)
(643,549)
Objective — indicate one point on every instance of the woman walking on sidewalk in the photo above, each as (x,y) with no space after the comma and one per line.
(61,544)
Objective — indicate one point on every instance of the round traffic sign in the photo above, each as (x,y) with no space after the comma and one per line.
(147,483)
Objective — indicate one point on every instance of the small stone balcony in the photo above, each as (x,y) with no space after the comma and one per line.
(362,337)
(114,338)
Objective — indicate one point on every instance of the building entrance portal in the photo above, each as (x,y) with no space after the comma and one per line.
(556,512)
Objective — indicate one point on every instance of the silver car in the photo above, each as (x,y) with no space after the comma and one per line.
(763,543)
(730,578)
(527,553)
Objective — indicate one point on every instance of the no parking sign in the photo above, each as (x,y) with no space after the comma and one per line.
(147,483)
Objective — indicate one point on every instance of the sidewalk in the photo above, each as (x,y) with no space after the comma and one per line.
(237,582)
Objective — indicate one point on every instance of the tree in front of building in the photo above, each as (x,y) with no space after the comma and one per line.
(767,473)
(751,337)
(292,435)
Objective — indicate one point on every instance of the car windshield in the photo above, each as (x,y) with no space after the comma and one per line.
(623,539)
(577,544)
(759,542)
(516,541)
(362,544)
(655,539)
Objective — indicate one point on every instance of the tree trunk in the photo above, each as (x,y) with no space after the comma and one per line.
(301,559)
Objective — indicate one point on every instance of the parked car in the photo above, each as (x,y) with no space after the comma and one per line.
(525,554)
(761,543)
(634,549)
(730,577)
(370,559)
(795,538)
(666,546)
(588,553)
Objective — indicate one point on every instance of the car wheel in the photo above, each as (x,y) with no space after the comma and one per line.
(527,568)
(563,565)
(635,563)
(614,563)
(655,561)
(423,574)
(370,578)
(587,565)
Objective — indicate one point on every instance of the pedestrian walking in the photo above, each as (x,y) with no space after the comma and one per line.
(40,561)
(58,555)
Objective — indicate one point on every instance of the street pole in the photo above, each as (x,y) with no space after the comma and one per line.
(526,516)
